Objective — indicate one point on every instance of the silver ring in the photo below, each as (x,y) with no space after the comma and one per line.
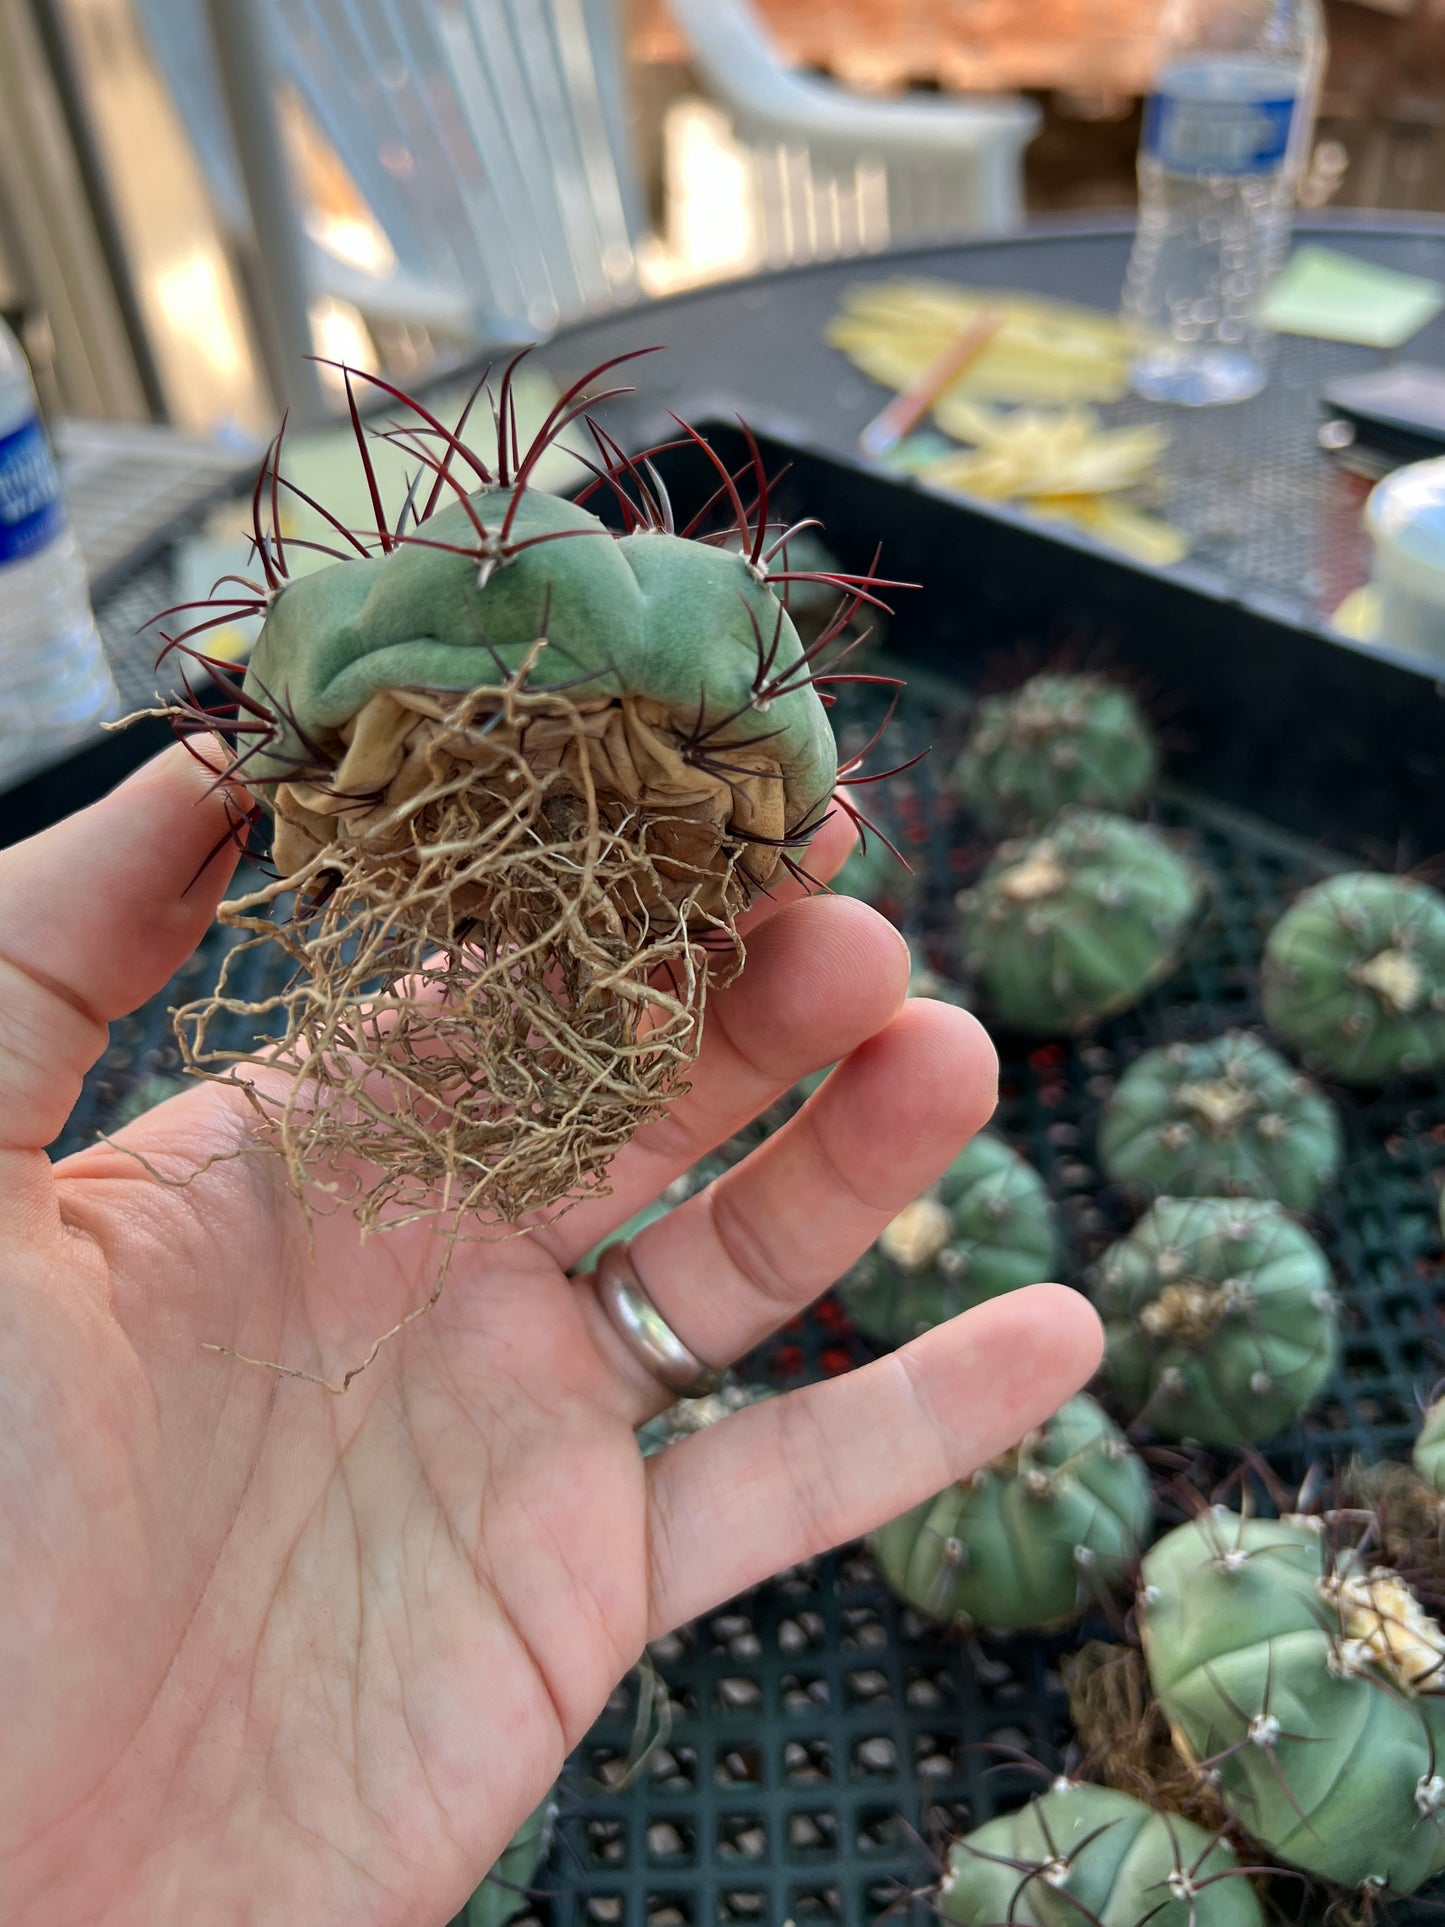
(648,1334)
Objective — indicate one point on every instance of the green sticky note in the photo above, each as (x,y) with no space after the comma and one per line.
(1339,298)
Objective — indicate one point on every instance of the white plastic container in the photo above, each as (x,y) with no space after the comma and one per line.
(1406,520)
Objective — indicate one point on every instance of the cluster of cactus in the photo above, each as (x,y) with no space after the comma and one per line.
(1032,1539)
(503,1893)
(527,758)
(1079,923)
(1220,1316)
(1229,1118)
(986,1227)
(1082,1853)
(1354,978)
(1305,1681)
(1056,741)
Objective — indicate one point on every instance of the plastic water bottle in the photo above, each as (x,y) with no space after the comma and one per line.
(55,682)
(1226,137)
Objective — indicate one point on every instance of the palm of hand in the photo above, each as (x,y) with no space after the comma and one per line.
(269,1654)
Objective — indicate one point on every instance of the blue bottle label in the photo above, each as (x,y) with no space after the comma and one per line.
(1203,137)
(32,511)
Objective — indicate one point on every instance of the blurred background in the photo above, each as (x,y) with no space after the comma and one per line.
(424,176)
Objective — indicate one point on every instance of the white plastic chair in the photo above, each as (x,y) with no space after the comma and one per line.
(835,171)
(488,137)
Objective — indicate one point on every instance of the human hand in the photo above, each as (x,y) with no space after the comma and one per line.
(268,1655)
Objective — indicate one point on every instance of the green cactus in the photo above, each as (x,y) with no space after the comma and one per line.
(1226,1119)
(1354,978)
(1057,741)
(1427,1454)
(1220,1319)
(1306,1685)
(1078,924)
(530,762)
(691,1415)
(1082,1853)
(1031,1540)
(503,1893)
(986,1227)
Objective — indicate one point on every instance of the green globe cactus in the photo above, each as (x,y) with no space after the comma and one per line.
(986,1227)
(1031,1540)
(524,769)
(1427,1454)
(1220,1318)
(1058,740)
(1081,1853)
(503,1893)
(1078,924)
(1354,978)
(1229,1118)
(1306,1685)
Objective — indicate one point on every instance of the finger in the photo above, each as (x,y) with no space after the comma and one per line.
(748,1253)
(822,976)
(97,913)
(790,1477)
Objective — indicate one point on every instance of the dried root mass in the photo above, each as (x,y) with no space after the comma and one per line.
(500,952)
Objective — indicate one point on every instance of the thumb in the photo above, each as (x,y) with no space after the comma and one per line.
(96,915)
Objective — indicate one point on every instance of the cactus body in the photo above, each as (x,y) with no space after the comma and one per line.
(1220,1318)
(503,1893)
(671,626)
(1428,1452)
(986,1227)
(1354,978)
(1226,1119)
(1308,1684)
(1057,741)
(1079,923)
(1087,1853)
(1031,1540)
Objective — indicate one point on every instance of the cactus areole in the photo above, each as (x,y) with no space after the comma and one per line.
(525,770)
(1307,1681)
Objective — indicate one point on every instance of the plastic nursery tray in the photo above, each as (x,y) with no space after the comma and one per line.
(819,1737)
